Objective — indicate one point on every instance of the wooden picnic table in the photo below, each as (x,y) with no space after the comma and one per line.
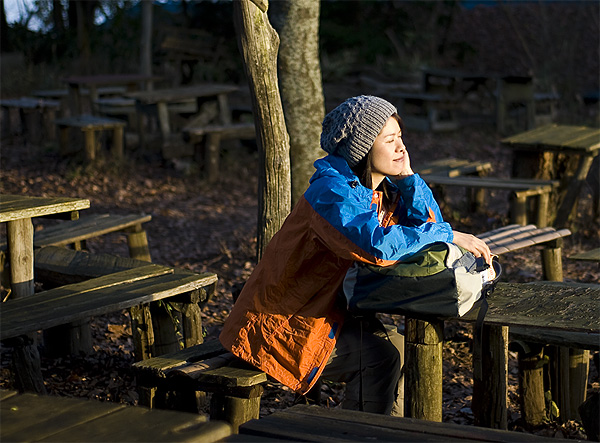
(77,83)
(17,212)
(499,90)
(529,146)
(30,417)
(156,103)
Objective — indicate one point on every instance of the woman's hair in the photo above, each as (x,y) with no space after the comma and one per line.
(363,172)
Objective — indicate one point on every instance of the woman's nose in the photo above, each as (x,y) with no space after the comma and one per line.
(400,145)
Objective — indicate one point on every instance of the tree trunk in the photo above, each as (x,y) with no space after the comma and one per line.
(146,40)
(297,22)
(259,44)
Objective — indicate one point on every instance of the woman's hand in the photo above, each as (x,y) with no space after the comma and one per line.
(406,170)
(471,243)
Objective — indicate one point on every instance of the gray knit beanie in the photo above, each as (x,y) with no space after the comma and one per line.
(350,129)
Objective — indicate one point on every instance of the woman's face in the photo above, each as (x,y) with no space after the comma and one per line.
(389,157)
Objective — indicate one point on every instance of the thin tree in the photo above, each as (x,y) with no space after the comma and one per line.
(259,43)
(297,22)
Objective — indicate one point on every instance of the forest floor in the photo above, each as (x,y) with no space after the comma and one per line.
(213,228)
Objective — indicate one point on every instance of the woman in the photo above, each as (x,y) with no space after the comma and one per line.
(364,204)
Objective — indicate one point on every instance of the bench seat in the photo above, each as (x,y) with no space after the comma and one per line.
(90,125)
(454,167)
(78,231)
(521,189)
(425,111)
(314,423)
(34,114)
(214,134)
(86,285)
(236,387)
(77,419)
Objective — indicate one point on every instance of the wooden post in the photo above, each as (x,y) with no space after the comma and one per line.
(26,358)
(579,366)
(490,372)
(236,410)
(423,369)
(164,324)
(518,208)
(137,241)
(142,331)
(213,142)
(567,204)
(552,268)
(117,149)
(90,144)
(531,385)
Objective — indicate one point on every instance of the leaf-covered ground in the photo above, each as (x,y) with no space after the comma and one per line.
(213,228)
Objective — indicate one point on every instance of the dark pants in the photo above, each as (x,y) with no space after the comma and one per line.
(379,351)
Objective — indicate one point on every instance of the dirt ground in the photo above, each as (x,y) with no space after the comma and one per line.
(213,228)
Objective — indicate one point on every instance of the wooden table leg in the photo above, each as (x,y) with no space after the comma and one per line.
(423,369)
(490,373)
(26,359)
(568,202)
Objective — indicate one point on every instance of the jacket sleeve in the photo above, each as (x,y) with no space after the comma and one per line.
(417,205)
(349,210)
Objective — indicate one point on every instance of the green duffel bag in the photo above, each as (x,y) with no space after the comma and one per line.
(440,281)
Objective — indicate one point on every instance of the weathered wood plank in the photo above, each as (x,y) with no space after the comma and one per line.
(15,207)
(89,122)
(29,417)
(59,266)
(591,255)
(86,227)
(510,184)
(565,138)
(80,305)
(313,423)
(46,299)
(544,306)
(158,366)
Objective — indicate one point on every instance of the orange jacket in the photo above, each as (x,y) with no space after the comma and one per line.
(288,316)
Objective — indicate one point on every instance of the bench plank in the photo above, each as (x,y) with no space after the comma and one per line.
(314,423)
(591,255)
(511,184)
(86,227)
(29,417)
(564,307)
(90,122)
(454,167)
(15,207)
(60,307)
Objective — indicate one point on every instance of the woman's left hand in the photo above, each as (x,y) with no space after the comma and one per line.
(471,243)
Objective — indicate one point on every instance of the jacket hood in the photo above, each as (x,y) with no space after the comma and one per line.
(334,166)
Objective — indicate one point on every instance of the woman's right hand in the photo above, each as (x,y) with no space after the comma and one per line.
(473,244)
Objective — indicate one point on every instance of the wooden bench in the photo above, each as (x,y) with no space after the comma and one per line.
(214,134)
(172,380)
(90,125)
(35,115)
(424,111)
(521,190)
(78,231)
(318,424)
(455,167)
(117,283)
(30,417)
(591,255)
